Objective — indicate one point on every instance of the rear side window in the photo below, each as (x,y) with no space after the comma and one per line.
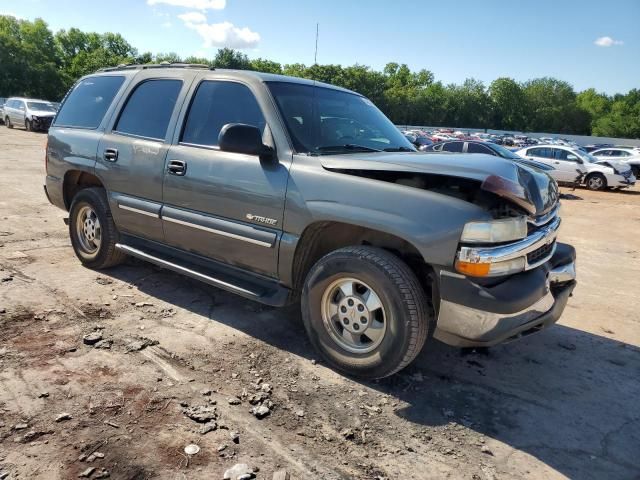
(453,147)
(149,108)
(88,102)
(541,152)
(214,105)
(475,148)
(560,154)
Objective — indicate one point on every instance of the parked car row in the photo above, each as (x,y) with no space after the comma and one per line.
(596,166)
(29,113)
(593,172)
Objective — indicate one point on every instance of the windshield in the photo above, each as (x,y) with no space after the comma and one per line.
(505,152)
(41,106)
(323,121)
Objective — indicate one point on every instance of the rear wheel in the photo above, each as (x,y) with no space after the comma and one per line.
(92,231)
(596,181)
(365,311)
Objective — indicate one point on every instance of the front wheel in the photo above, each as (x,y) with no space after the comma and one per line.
(596,181)
(365,311)
(28,125)
(92,231)
(7,122)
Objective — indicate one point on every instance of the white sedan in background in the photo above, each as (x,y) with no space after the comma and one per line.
(628,155)
(573,165)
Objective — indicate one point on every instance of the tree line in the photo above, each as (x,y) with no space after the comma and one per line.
(36,62)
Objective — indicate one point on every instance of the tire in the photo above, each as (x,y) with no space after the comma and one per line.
(7,122)
(28,125)
(596,181)
(91,204)
(405,313)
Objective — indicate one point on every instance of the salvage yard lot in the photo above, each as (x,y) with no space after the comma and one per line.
(563,403)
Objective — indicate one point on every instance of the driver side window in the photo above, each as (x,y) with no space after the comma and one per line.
(215,104)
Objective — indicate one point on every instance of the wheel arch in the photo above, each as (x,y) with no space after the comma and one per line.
(76,180)
(598,174)
(322,237)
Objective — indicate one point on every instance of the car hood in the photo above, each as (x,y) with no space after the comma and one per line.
(531,189)
(616,164)
(42,113)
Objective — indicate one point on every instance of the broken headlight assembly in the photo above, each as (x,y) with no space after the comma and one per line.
(491,232)
(495,231)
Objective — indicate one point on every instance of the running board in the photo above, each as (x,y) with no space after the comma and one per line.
(264,291)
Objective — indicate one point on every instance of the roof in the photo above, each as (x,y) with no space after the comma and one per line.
(241,74)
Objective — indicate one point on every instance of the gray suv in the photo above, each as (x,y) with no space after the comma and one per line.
(282,189)
(28,113)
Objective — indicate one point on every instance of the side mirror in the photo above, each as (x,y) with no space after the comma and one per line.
(241,138)
(574,158)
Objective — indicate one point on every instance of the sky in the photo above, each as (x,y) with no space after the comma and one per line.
(589,43)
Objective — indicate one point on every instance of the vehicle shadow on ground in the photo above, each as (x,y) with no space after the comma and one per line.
(566,397)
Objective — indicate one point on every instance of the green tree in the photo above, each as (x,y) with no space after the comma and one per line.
(508,103)
(266,66)
(229,58)
(28,59)
(552,107)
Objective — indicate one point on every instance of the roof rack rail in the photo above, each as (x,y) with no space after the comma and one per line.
(143,66)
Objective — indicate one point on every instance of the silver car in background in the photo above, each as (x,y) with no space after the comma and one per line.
(29,113)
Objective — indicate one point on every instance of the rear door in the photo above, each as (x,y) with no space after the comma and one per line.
(132,151)
(222,205)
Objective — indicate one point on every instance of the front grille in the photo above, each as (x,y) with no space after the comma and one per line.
(536,223)
(541,253)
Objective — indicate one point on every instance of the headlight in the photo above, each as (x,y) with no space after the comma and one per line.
(495,231)
(495,269)
(34,117)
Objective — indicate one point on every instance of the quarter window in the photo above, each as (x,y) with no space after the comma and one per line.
(476,148)
(452,147)
(216,104)
(149,108)
(87,103)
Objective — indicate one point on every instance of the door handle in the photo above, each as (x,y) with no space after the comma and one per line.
(177,167)
(557,163)
(110,154)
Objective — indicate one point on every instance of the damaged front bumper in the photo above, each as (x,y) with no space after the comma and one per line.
(473,315)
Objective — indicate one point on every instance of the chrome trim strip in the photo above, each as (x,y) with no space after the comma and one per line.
(179,268)
(218,232)
(501,253)
(137,210)
(544,219)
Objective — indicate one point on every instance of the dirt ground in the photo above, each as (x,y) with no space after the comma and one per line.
(560,404)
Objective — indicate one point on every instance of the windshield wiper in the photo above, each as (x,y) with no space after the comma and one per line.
(348,146)
(398,149)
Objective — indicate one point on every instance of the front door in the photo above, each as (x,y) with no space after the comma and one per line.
(568,165)
(131,155)
(221,205)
